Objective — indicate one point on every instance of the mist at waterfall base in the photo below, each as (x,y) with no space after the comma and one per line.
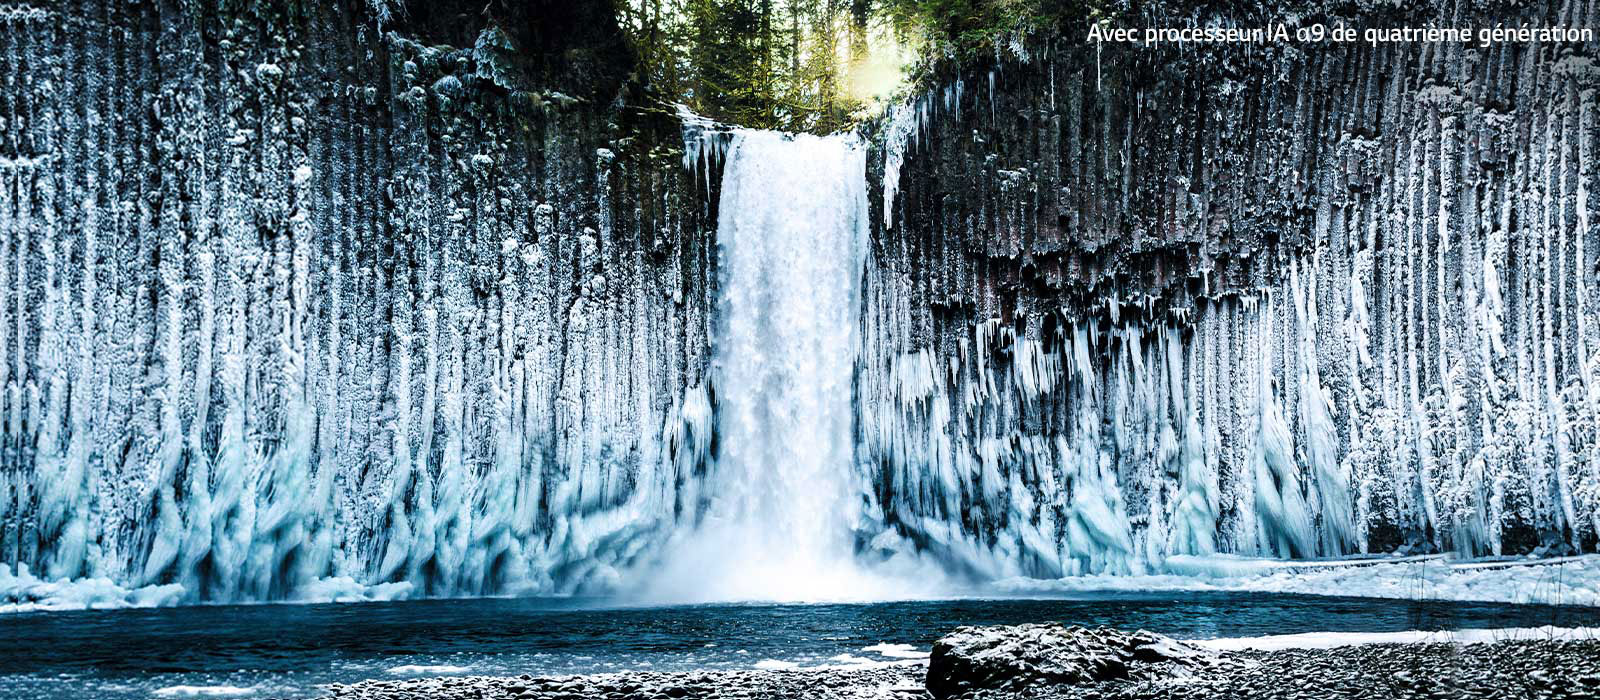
(784,497)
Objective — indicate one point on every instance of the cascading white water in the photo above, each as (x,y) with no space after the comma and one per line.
(792,232)
(792,228)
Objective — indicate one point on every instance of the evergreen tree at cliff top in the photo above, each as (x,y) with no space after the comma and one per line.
(815,65)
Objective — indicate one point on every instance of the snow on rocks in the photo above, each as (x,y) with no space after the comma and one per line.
(1018,657)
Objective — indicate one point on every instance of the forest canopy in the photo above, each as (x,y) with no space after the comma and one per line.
(808,65)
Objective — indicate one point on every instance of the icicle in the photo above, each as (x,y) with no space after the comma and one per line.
(1316,410)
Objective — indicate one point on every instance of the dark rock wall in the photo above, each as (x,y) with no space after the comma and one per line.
(1288,299)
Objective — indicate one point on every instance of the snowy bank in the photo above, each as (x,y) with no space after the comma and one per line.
(1564,581)
(1330,640)
(22,591)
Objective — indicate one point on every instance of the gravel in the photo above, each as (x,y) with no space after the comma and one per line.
(1511,669)
(879,683)
(1503,670)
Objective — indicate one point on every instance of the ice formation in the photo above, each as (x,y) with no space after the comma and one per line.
(268,336)
(1116,342)
(1106,447)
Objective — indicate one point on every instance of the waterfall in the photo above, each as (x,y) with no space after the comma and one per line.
(784,494)
(792,230)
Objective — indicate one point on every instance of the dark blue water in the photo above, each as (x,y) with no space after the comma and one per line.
(288,650)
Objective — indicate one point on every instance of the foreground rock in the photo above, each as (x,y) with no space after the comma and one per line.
(1021,656)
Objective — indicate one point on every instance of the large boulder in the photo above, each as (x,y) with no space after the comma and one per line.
(1016,657)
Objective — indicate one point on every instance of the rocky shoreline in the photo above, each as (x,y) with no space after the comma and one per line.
(891,681)
(1050,662)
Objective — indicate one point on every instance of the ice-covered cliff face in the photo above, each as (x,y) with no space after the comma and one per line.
(1137,302)
(306,305)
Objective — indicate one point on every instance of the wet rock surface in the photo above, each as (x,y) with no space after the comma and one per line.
(1016,657)
(1512,669)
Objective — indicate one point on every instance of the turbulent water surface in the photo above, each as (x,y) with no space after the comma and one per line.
(287,650)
